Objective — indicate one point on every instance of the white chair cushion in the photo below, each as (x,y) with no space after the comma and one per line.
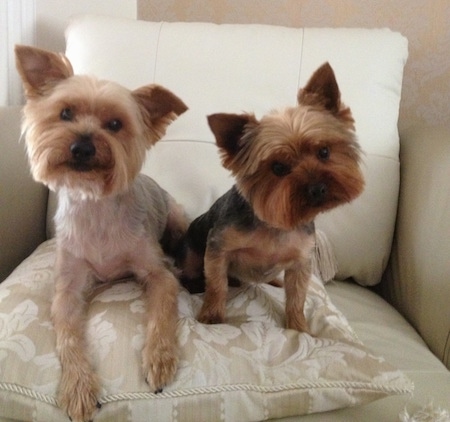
(255,68)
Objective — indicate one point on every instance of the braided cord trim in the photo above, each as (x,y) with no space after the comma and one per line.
(403,388)
(363,386)
(28,392)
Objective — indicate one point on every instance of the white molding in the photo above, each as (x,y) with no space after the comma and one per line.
(17,26)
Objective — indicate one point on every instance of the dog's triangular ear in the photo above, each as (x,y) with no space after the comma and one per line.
(321,90)
(40,69)
(228,130)
(160,107)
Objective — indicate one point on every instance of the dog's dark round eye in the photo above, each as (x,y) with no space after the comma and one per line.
(280,169)
(114,125)
(324,153)
(66,114)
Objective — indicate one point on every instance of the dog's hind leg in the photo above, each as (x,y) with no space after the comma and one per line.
(215,297)
(79,387)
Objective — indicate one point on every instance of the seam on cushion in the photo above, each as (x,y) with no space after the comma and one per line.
(157,50)
(386,157)
(366,154)
(446,352)
(300,58)
(129,413)
(196,141)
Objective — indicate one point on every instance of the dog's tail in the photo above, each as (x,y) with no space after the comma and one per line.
(176,227)
(324,262)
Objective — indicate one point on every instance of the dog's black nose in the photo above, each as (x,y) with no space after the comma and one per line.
(82,149)
(316,193)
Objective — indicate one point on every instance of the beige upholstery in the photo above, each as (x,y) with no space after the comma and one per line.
(419,277)
(23,203)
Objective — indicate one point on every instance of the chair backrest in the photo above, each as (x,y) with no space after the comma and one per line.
(256,68)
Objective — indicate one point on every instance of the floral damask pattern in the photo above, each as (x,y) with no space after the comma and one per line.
(251,361)
(12,326)
(426,84)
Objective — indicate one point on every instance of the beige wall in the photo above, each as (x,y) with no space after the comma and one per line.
(426,24)
(52,17)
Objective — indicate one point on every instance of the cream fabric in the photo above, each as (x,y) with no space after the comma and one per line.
(418,282)
(22,201)
(250,369)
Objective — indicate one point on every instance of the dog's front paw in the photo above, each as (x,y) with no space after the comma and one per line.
(210,317)
(160,366)
(78,396)
(297,323)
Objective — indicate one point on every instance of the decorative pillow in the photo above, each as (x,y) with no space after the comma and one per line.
(249,369)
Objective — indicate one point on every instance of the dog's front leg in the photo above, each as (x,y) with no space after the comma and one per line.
(79,385)
(216,286)
(160,353)
(296,282)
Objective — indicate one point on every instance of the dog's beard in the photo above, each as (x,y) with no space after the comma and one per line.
(110,171)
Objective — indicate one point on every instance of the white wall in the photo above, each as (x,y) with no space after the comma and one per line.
(52,17)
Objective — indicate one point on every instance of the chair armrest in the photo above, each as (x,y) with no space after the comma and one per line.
(417,282)
(23,203)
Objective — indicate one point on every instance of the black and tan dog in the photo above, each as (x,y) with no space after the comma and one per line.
(289,166)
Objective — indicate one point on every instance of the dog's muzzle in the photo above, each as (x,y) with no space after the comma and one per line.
(316,193)
(82,150)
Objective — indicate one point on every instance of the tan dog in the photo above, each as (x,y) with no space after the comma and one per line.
(289,166)
(86,139)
